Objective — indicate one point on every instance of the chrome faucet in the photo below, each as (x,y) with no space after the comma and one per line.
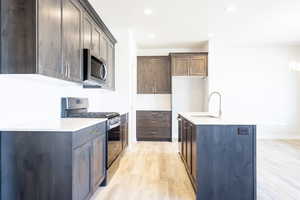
(220,101)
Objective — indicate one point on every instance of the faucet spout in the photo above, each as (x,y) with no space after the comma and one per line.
(220,101)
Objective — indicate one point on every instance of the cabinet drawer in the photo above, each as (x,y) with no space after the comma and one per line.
(154,133)
(153,124)
(83,136)
(143,114)
(146,123)
(162,116)
(155,119)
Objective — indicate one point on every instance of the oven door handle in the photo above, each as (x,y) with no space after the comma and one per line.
(114,125)
(105,72)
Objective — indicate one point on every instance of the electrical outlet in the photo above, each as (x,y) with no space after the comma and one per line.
(243,131)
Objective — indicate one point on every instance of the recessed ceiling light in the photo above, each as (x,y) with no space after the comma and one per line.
(151,36)
(148,11)
(231,8)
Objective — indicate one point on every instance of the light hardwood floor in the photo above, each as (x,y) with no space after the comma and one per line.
(149,171)
(154,171)
(278,170)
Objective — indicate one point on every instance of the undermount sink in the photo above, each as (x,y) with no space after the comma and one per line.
(204,116)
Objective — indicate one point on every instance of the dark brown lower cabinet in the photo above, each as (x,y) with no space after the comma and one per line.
(153,125)
(89,167)
(82,172)
(99,167)
(179,134)
(194,154)
(184,139)
(124,130)
(188,145)
(219,159)
(53,165)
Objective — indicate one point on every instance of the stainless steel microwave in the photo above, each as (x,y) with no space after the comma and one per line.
(95,69)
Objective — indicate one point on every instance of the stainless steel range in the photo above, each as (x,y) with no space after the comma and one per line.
(78,108)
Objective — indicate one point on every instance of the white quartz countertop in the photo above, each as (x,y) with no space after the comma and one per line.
(123,112)
(201,118)
(59,125)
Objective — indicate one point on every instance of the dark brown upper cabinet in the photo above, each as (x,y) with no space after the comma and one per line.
(162,79)
(193,64)
(96,35)
(107,53)
(198,65)
(49,42)
(145,79)
(87,32)
(180,65)
(72,46)
(153,75)
(111,66)
(47,37)
(103,48)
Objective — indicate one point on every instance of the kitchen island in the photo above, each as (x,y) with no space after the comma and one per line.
(219,156)
(51,160)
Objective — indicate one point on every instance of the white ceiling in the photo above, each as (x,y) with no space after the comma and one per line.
(187,23)
(176,23)
(256,21)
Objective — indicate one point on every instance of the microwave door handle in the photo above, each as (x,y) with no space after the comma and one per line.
(105,69)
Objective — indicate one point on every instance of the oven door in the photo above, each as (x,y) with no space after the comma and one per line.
(114,145)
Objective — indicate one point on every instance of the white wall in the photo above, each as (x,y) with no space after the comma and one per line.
(153,102)
(189,94)
(132,85)
(24,98)
(257,85)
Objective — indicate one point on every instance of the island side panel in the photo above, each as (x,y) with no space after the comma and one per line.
(0,165)
(36,165)
(226,162)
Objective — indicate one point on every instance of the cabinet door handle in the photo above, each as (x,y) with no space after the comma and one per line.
(189,67)
(69,71)
(66,70)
